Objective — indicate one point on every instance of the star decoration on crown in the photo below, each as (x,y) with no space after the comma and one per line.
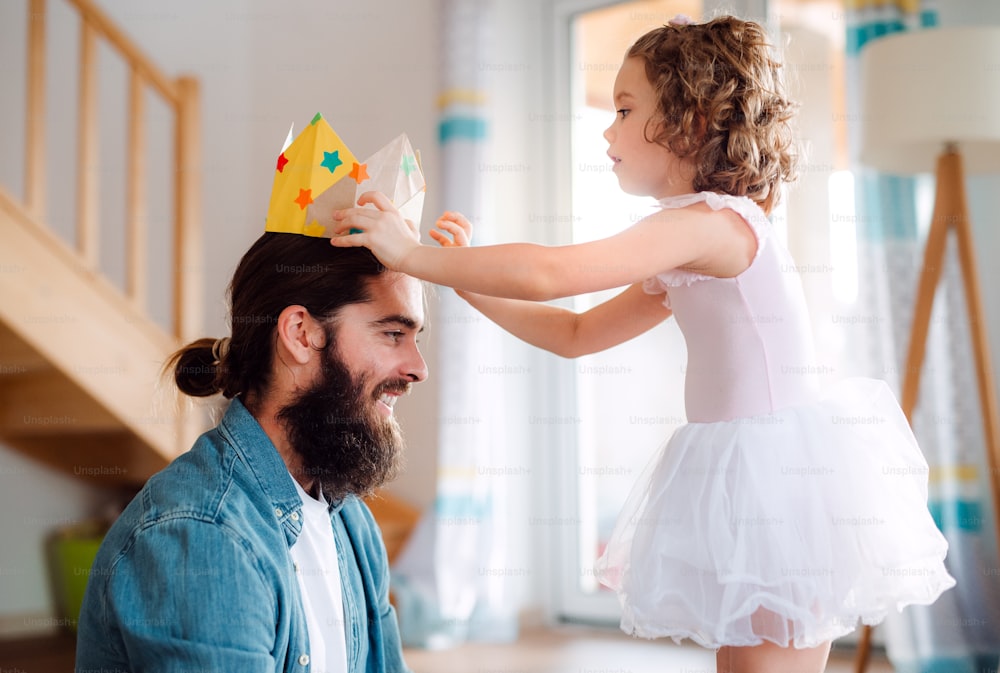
(331,161)
(359,173)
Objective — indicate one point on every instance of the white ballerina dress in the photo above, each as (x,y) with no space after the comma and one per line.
(778,512)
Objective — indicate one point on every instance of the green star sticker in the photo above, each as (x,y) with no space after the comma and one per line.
(409,164)
(331,160)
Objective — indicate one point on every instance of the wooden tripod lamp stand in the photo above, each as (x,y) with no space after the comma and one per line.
(931,99)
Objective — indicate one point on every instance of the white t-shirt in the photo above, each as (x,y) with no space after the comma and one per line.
(318,571)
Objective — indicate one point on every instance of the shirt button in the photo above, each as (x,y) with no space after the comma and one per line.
(304,660)
(278,512)
(295,516)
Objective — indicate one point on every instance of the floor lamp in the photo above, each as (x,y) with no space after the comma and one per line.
(931,100)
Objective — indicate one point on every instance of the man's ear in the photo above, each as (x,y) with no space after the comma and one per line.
(299,334)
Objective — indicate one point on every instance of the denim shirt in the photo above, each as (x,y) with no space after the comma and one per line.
(196,575)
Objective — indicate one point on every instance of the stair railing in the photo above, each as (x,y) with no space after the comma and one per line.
(182,98)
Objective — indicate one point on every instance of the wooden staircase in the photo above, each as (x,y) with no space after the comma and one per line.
(80,359)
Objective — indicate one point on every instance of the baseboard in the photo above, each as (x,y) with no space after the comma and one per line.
(31,624)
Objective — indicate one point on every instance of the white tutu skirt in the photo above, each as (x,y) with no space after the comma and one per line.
(789,527)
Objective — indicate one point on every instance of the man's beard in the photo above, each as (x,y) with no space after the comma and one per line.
(341,441)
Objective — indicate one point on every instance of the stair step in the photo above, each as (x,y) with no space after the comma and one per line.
(100,458)
(80,384)
(17,357)
(49,403)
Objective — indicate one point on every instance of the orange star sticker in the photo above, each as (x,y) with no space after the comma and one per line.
(359,172)
(305,198)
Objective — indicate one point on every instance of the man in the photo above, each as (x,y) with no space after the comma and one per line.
(253,552)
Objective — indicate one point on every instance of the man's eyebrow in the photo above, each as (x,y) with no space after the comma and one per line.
(398,319)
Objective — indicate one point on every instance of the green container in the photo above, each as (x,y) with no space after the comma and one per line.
(72,557)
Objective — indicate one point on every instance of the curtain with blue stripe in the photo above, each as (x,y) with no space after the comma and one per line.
(448,583)
(960,633)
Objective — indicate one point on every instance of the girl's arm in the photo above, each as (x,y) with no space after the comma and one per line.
(569,334)
(713,242)
(555,329)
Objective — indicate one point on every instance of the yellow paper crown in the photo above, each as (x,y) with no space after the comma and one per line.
(317,174)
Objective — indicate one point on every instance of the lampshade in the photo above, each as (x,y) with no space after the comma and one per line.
(929,87)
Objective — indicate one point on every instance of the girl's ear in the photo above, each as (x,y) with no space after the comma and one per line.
(299,334)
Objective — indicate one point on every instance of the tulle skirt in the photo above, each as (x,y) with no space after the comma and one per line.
(789,527)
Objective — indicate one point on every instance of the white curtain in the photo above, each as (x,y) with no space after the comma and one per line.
(448,582)
(959,633)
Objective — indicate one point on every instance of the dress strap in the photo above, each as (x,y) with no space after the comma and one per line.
(741,205)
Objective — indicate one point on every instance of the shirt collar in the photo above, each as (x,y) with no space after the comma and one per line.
(257,451)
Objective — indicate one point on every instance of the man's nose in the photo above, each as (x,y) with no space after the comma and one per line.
(415,368)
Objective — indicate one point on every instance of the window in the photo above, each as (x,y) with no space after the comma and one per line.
(627,401)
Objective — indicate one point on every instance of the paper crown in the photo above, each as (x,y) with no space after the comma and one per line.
(317,174)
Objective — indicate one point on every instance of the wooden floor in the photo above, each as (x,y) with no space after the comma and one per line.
(589,650)
(561,650)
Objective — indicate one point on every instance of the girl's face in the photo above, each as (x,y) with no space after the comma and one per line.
(643,168)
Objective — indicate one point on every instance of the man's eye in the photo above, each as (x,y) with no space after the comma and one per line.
(395,335)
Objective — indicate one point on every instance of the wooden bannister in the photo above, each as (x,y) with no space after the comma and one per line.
(135,194)
(34,155)
(87,187)
(182,97)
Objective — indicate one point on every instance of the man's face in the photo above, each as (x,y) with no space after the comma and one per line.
(378,339)
(342,425)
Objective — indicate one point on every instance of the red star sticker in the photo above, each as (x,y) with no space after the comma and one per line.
(359,172)
(305,198)
(282,160)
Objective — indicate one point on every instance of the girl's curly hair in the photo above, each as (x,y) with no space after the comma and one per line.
(721,106)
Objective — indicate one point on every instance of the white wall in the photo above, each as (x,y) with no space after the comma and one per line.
(35,501)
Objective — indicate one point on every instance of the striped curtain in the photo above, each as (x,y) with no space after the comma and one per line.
(960,633)
(448,583)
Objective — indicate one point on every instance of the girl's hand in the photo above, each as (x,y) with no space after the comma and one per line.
(460,229)
(455,224)
(381,229)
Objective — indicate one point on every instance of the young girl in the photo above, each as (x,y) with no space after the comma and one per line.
(779,515)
